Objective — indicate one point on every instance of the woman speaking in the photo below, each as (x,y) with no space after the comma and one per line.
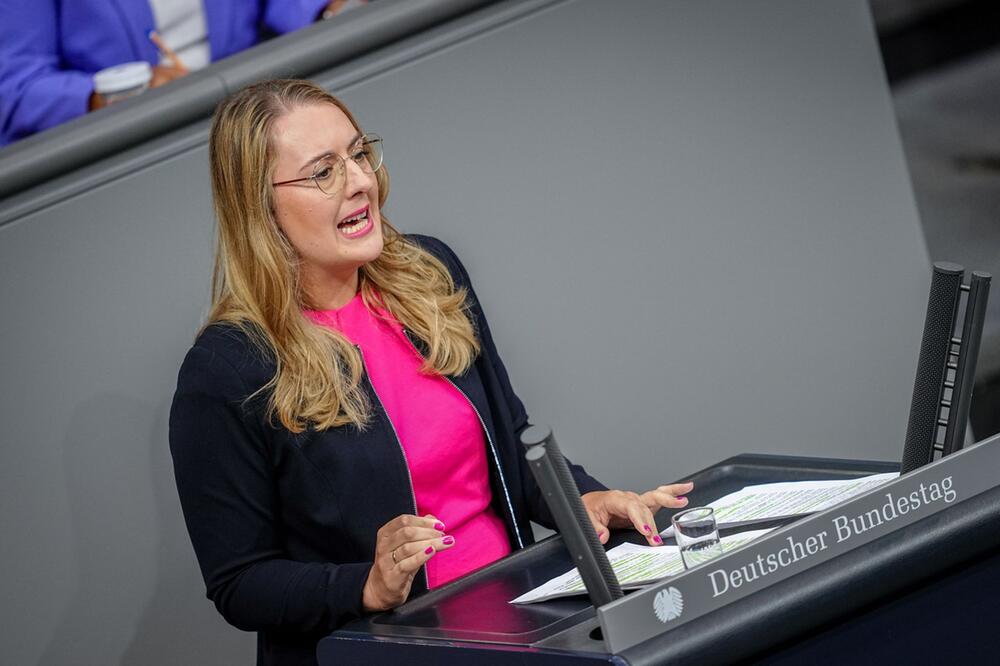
(344,433)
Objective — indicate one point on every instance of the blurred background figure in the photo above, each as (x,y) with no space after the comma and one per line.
(50,49)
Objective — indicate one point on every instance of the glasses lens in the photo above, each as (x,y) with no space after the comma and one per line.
(329,176)
(372,147)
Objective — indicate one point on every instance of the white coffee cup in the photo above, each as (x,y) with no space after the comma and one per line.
(122,81)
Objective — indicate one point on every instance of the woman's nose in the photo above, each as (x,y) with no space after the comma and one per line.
(358,180)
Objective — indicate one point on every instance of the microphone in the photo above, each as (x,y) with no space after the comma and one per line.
(932,366)
(550,470)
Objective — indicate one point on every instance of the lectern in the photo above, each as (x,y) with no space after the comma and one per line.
(905,571)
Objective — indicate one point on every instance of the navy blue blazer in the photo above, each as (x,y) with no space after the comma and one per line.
(284,525)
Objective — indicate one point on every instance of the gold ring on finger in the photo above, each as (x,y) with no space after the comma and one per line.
(393,553)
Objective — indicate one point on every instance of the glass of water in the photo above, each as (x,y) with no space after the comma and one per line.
(697,535)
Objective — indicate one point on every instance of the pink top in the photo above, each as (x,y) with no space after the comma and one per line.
(441,437)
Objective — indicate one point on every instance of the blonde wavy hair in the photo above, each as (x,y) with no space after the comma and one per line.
(256,283)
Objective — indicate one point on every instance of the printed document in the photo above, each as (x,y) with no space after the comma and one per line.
(788,498)
(635,566)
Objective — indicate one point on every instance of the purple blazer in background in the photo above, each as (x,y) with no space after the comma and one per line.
(50,49)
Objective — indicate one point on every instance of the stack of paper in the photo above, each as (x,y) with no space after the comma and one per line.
(790,498)
(635,566)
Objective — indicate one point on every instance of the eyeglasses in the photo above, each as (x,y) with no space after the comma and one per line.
(330,172)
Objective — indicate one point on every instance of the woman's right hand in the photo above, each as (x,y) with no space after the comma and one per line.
(402,546)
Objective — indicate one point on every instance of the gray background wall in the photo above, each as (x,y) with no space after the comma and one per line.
(690,223)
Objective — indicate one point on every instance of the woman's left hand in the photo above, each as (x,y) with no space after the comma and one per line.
(621,508)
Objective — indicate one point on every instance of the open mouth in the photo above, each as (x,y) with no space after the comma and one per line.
(356,223)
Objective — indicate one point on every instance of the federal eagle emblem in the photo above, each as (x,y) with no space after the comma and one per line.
(668,604)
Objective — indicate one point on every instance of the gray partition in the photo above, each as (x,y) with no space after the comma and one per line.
(690,223)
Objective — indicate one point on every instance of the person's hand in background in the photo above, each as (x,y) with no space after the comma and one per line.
(171,68)
(165,74)
(335,7)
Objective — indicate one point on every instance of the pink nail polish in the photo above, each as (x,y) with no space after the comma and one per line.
(600,534)
(439,526)
(429,550)
(647,528)
(682,498)
(657,539)
(448,540)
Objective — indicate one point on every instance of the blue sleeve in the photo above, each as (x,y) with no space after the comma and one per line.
(228,494)
(289,15)
(35,93)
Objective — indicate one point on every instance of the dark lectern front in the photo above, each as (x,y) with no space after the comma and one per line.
(917,586)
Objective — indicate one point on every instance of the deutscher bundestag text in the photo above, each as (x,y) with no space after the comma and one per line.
(844,527)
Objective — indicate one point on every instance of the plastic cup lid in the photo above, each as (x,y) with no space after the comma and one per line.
(122,77)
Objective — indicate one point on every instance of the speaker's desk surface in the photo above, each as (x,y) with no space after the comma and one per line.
(901,595)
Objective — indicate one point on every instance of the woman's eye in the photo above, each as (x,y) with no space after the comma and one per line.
(360,156)
(323,172)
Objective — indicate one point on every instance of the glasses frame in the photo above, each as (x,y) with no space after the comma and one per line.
(365,139)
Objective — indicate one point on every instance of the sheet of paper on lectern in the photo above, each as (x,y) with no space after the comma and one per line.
(788,498)
(634,565)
